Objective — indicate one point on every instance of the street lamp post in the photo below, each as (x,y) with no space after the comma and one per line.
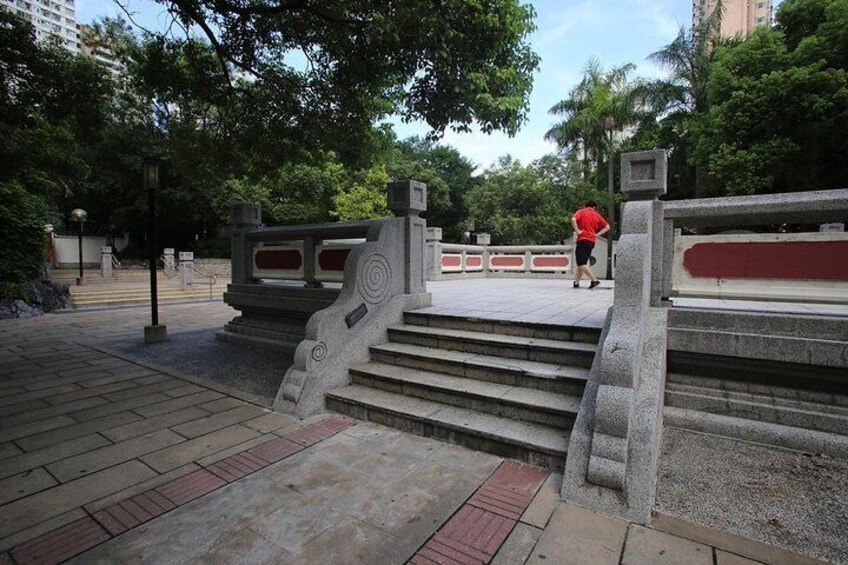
(609,124)
(80,216)
(150,171)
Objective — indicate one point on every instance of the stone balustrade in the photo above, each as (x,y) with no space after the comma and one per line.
(614,446)
(452,260)
(324,293)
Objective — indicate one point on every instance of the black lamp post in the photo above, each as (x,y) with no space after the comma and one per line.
(80,216)
(150,173)
(609,124)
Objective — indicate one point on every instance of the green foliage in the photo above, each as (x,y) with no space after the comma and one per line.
(365,198)
(456,62)
(529,204)
(21,233)
(778,114)
(602,104)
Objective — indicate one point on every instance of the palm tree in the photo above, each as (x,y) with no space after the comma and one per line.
(687,58)
(601,105)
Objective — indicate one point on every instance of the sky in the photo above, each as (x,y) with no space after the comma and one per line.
(569,34)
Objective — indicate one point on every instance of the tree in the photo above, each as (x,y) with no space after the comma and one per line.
(340,64)
(51,105)
(601,105)
(680,99)
(447,175)
(529,204)
(778,114)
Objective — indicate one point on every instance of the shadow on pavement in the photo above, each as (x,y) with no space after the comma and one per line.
(251,370)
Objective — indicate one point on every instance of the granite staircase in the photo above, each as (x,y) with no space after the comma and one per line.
(791,393)
(508,388)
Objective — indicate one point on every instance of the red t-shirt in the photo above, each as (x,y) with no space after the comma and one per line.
(590,223)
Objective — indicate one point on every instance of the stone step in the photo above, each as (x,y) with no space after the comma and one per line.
(767,433)
(825,405)
(142,301)
(809,326)
(564,379)
(763,411)
(533,443)
(285,347)
(789,375)
(513,347)
(517,403)
(770,389)
(263,333)
(141,295)
(503,327)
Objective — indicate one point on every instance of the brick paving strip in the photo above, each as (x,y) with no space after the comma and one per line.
(480,527)
(83,534)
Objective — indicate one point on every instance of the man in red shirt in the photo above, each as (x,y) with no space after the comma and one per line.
(588,225)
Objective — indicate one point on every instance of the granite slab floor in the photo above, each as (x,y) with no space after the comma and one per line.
(367,495)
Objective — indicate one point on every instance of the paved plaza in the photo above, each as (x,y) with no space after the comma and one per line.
(115,452)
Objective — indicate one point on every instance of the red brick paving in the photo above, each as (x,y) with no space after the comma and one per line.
(83,534)
(191,486)
(478,529)
(237,466)
(312,434)
(61,544)
(119,518)
(275,450)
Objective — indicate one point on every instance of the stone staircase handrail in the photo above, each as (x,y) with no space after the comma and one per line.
(383,276)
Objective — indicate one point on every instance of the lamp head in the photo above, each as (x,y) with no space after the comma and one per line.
(150,172)
(79,215)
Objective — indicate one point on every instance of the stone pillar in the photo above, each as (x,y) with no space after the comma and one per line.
(433,261)
(408,199)
(106,262)
(644,177)
(309,259)
(186,269)
(246,217)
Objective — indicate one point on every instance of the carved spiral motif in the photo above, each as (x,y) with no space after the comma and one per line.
(319,351)
(375,278)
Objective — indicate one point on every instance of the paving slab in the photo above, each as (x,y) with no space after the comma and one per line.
(725,558)
(651,547)
(191,450)
(34,509)
(518,546)
(576,536)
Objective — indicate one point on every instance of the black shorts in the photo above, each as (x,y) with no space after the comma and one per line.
(583,252)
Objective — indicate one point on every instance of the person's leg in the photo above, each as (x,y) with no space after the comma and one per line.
(581,256)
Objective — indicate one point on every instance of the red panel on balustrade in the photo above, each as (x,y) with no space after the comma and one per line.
(451,261)
(332,259)
(551,261)
(819,260)
(474,261)
(507,261)
(285,259)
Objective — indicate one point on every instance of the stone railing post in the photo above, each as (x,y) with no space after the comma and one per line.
(168,260)
(309,261)
(246,217)
(408,199)
(186,269)
(644,177)
(106,262)
(613,454)
(434,253)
